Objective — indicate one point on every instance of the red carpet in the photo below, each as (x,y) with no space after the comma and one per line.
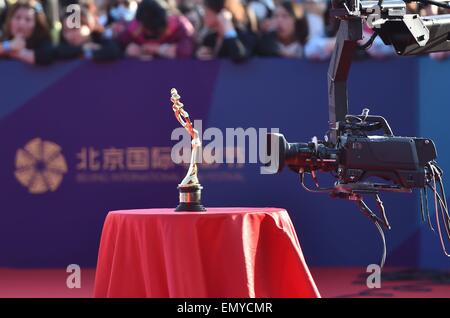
(43,283)
(332,282)
(395,283)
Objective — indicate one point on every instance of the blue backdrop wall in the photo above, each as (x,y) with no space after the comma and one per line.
(104,132)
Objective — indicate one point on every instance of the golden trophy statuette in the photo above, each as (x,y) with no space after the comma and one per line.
(190,188)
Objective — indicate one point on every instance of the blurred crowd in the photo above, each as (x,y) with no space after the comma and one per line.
(40,32)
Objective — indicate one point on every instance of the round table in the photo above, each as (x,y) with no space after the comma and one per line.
(223,252)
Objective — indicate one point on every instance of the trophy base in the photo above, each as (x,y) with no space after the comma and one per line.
(190,199)
(190,207)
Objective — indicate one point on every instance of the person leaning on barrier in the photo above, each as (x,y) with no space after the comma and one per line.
(231,31)
(86,41)
(158,32)
(26,35)
(116,15)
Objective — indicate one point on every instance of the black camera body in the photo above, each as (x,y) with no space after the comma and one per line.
(358,158)
(401,160)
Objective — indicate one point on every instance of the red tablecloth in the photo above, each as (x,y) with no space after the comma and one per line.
(224,252)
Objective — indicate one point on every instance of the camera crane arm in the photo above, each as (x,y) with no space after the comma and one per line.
(350,152)
(409,34)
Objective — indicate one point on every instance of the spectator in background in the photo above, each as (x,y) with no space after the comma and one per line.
(89,5)
(118,13)
(157,32)
(86,41)
(314,10)
(290,34)
(377,49)
(331,23)
(192,10)
(67,6)
(263,11)
(26,34)
(230,31)
(319,46)
(3,8)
